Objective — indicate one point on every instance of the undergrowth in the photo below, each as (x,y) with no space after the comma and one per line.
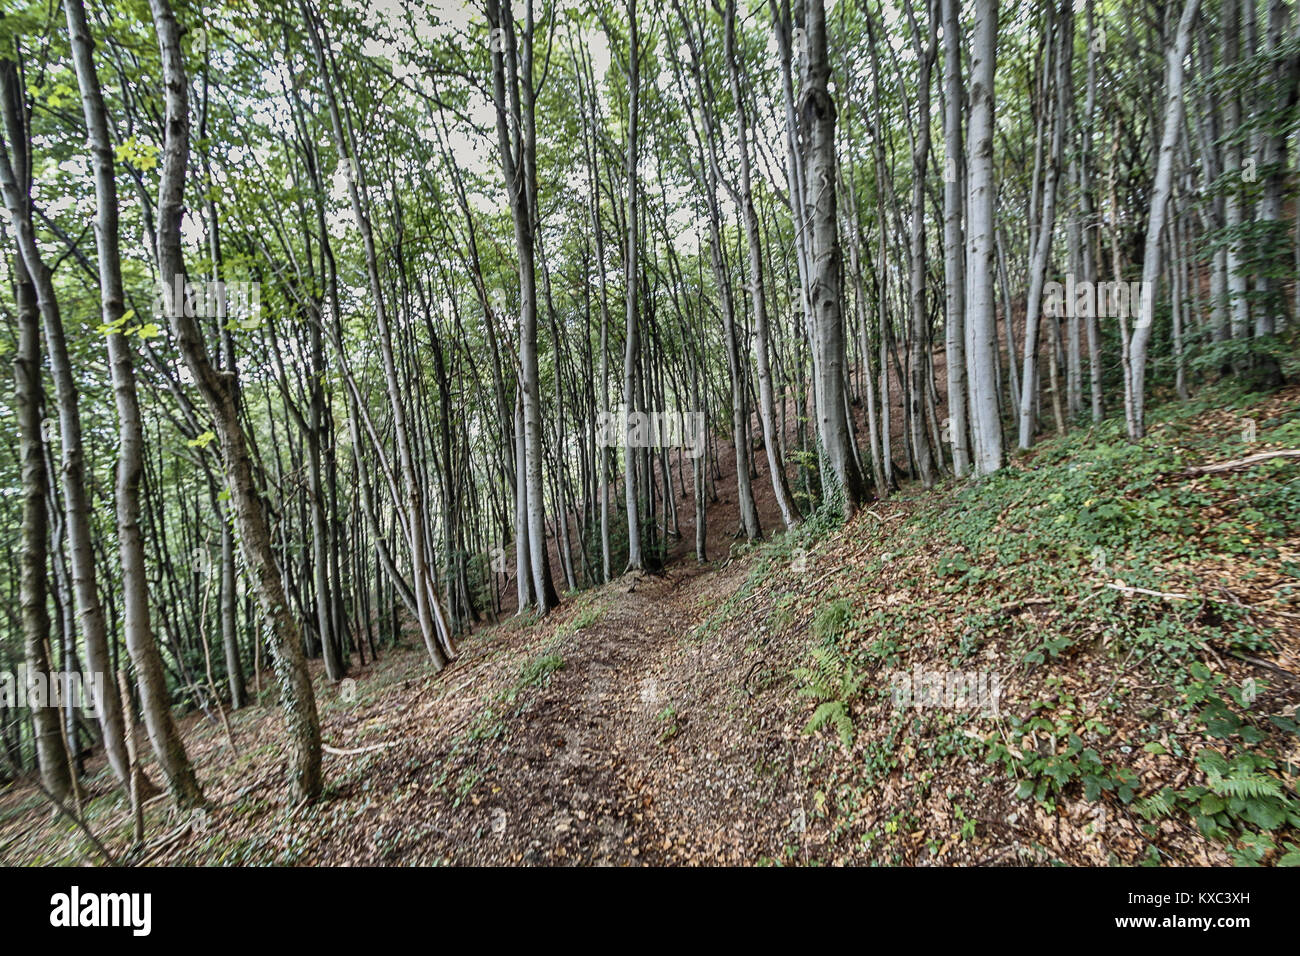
(1041,570)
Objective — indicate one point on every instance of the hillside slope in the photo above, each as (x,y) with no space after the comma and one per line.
(1116,641)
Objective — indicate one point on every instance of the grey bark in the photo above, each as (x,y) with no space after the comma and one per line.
(981,297)
(1160,190)
(296,696)
(130,437)
(954,180)
(817,115)
(758,293)
(33,585)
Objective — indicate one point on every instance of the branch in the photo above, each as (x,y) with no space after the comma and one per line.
(1160,594)
(1242,462)
(358,750)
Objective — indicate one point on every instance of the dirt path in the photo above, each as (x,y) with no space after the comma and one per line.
(636,750)
(606,734)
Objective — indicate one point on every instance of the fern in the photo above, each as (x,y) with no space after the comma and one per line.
(835,713)
(1250,786)
(1159,804)
(835,683)
(1238,795)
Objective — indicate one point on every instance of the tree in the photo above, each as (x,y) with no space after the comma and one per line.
(130,462)
(757,290)
(52,758)
(1161,187)
(1060,48)
(823,294)
(981,315)
(297,698)
(954,182)
(514,94)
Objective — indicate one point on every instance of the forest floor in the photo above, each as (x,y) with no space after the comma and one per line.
(1141,624)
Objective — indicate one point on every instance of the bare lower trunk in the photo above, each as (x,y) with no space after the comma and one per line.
(1160,191)
(981,301)
(296,696)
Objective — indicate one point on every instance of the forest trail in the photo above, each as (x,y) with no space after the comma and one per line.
(621,741)
(636,749)
(604,735)
(663,719)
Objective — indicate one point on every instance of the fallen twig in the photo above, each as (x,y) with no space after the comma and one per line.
(75,818)
(1258,662)
(356,750)
(60,808)
(1233,599)
(166,842)
(1024,602)
(1160,594)
(1242,462)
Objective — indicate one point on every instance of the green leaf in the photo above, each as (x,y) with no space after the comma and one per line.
(111,328)
(1265,814)
(143,156)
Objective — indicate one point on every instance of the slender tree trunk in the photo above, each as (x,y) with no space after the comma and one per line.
(954,182)
(632,339)
(981,297)
(1042,250)
(297,698)
(1234,204)
(33,585)
(1091,247)
(130,438)
(817,116)
(758,292)
(918,339)
(513,94)
(1160,191)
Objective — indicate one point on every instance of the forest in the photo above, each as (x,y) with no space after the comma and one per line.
(692,432)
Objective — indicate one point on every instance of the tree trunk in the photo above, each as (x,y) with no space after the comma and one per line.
(513,94)
(817,120)
(135,592)
(50,756)
(297,698)
(981,298)
(758,293)
(1160,191)
(954,181)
